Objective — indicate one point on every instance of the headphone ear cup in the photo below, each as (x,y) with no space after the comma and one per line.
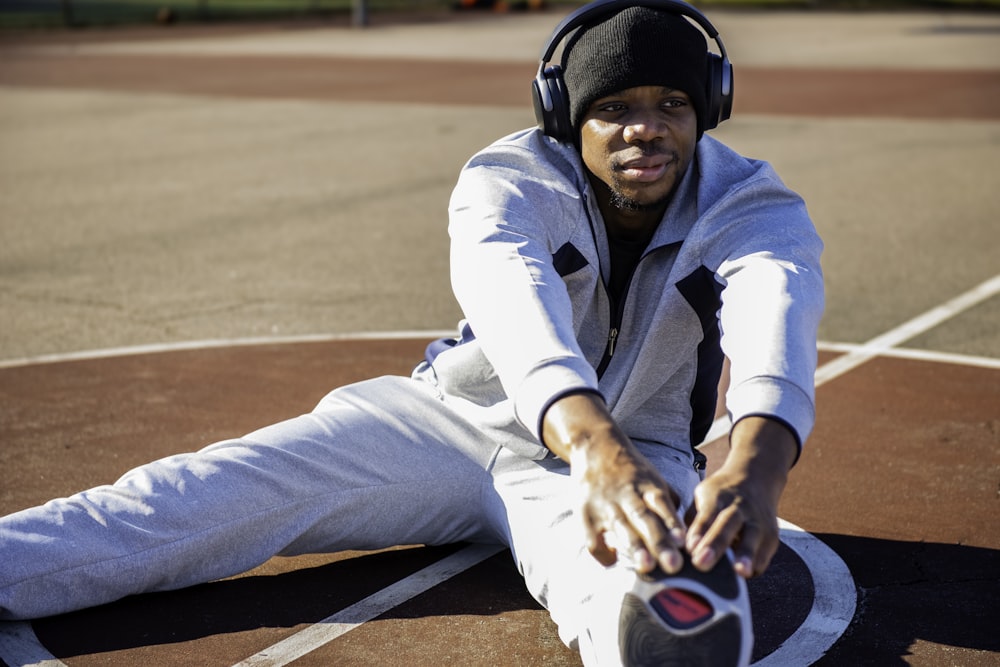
(726,110)
(720,91)
(714,93)
(551,104)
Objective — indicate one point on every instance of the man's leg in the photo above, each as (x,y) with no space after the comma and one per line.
(369,468)
(583,597)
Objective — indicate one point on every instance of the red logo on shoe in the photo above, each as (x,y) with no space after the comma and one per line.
(682,609)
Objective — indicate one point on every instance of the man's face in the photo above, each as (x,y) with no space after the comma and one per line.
(637,145)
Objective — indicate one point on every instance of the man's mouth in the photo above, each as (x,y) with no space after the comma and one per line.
(645,169)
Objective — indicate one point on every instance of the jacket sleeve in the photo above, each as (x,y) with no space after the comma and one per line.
(772,302)
(505,217)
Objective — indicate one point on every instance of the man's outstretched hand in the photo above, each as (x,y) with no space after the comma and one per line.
(629,510)
(737,506)
(627,507)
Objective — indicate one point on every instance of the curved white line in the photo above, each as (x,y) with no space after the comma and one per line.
(155,348)
(834,601)
(858,353)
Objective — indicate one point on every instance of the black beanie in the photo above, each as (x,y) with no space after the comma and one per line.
(638,46)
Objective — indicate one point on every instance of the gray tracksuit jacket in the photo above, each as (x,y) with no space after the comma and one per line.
(734,269)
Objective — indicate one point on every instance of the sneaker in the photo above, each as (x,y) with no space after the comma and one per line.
(688,618)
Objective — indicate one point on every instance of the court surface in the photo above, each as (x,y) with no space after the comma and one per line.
(206,229)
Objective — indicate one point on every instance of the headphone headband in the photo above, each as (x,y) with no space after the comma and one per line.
(589,12)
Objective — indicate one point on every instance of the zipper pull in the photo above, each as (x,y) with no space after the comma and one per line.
(612,338)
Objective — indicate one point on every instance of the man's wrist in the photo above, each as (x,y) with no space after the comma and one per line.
(764,446)
(576,422)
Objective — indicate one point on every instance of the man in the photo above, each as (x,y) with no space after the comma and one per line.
(602,273)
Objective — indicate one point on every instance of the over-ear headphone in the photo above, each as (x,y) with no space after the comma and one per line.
(548,90)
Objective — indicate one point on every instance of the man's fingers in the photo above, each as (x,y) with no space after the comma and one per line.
(722,532)
(698,524)
(662,530)
(637,533)
(744,552)
(593,528)
(756,548)
(753,544)
(599,548)
(635,519)
(628,545)
(665,507)
(656,542)
(763,551)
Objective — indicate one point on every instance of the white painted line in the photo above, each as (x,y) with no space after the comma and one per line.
(885,345)
(908,330)
(719,429)
(834,601)
(924,322)
(919,355)
(319,634)
(19,647)
(156,348)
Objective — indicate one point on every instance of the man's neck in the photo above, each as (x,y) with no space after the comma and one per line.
(630,224)
(625,222)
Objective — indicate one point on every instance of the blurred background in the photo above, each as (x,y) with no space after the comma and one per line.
(190,170)
(82,13)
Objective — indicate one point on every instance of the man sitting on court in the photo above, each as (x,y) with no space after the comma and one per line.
(606,262)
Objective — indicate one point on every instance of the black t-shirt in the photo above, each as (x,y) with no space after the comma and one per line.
(624,257)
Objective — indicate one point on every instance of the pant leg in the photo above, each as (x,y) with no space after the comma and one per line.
(353,474)
(546,536)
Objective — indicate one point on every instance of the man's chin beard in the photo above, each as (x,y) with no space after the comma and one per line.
(625,203)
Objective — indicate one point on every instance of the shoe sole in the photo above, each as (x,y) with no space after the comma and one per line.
(689,618)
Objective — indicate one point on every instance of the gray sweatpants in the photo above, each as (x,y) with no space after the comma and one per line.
(376,464)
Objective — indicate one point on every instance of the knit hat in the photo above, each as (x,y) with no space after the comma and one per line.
(638,46)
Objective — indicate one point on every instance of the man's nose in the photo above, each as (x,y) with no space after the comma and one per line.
(643,127)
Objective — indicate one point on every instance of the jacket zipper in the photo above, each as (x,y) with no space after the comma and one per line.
(617,309)
(617,314)
(612,337)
